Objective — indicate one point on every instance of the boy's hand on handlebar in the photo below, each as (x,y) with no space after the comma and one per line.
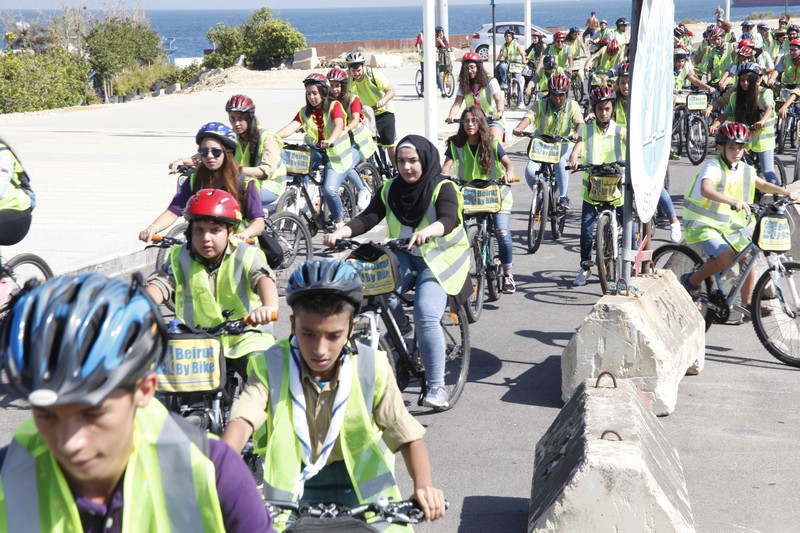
(417,238)
(431,501)
(147,233)
(263,315)
(738,205)
(173,167)
(329,239)
(572,164)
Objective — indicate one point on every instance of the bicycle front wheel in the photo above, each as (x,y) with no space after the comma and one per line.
(513,91)
(780,170)
(477,273)
(177,232)
(781,129)
(456,355)
(494,272)
(577,88)
(292,233)
(449,83)
(777,320)
(605,260)
(681,259)
(370,177)
(696,140)
(418,83)
(538,215)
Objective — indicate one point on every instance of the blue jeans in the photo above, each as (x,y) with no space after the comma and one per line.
(502,222)
(562,174)
(767,161)
(334,180)
(438,77)
(502,69)
(430,301)
(268,197)
(665,203)
(355,179)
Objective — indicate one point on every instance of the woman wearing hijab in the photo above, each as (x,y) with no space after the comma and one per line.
(425,208)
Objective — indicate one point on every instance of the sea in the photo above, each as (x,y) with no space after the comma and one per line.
(186,29)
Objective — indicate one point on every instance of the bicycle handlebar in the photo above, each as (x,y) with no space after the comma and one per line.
(352,244)
(495,181)
(604,167)
(534,135)
(162,241)
(401,512)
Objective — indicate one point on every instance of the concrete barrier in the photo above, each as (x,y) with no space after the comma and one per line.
(385,61)
(175,87)
(652,338)
(605,464)
(305,59)
(305,53)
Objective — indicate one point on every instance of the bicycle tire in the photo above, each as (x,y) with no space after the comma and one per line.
(604,252)
(457,354)
(494,272)
(513,94)
(449,83)
(556,220)
(681,131)
(477,272)
(177,232)
(418,83)
(24,268)
(681,259)
(292,233)
(528,96)
(577,88)
(289,201)
(538,215)
(780,170)
(796,170)
(696,140)
(777,331)
(781,127)
(370,177)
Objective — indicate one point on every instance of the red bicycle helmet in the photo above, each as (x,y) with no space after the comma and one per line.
(717,32)
(558,84)
(559,35)
(733,132)
(316,79)
(794,42)
(624,69)
(241,103)
(601,94)
(472,56)
(336,74)
(213,204)
(747,42)
(602,42)
(613,46)
(747,52)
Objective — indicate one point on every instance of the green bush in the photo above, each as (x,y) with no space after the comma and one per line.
(228,45)
(761,15)
(140,77)
(268,39)
(183,75)
(31,82)
(689,21)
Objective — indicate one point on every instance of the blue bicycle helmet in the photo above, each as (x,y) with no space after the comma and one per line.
(326,276)
(439,28)
(76,339)
(748,66)
(219,132)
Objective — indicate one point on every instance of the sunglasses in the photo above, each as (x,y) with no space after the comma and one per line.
(216,152)
(559,41)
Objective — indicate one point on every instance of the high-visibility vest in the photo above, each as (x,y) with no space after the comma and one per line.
(485,102)
(704,218)
(339,153)
(562,56)
(620,112)
(369,463)
(360,136)
(467,168)
(790,72)
(608,61)
(446,256)
(514,58)
(169,483)
(369,92)
(197,304)
(763,139)
(551,121)
(15,197)
(599,148)
(718,62)
(276,182)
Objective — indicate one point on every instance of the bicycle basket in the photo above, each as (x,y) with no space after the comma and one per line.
(605,188)
(194,363)
(773,233)
(544,150)
(681,97)
(297,160)
(482,198)
(378,267)
(271,246)
(697,102)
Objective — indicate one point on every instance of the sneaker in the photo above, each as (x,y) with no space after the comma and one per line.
(580,279)
(437,398)
(509,287)
(444,94)
(563,205)
(363,199)
(675,233)
(673,156)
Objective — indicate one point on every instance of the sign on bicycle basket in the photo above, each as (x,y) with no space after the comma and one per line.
(482,199)
(697,102)
(605,188)
(773,233)
(542,151)
(681,97)
(193,363)
(296,161)
(378,267)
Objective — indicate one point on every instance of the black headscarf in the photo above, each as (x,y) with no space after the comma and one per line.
(410,201)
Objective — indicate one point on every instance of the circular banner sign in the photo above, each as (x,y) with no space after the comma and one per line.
(650,106)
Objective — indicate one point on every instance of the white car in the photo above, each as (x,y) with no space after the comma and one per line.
(482,38)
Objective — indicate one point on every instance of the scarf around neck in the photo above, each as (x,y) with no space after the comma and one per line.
(410,201)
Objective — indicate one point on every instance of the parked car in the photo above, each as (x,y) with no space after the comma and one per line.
(482,38)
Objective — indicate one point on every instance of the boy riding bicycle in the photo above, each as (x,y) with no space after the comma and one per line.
(320,405)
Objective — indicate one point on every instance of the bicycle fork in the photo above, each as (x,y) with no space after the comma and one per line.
(777,274)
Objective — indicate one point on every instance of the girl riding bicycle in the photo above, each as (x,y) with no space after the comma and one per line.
(16,205)
(476,89)
(424,207)
(323,120)
(217,170)
(476,155)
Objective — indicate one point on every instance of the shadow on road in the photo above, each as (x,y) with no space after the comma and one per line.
(540,385)
(559,339)
(748,361)
(493,513)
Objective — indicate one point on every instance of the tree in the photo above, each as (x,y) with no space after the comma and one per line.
(268,39)
(30,82)
(228,45)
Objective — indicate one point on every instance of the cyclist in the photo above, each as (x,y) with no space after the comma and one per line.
(608,57)
(476,89)
(543,75)
(217,170)
(323,119)
(554,115)
(511,59)
(16,199)
(214,272)
(716,207)
(100,453)
(320,405)
(561,52)
(577,49)
(718,57)
(622,34)
(360,136)
(776,46)
(682,36)
(600,141)
(747,28)
(788,67)
(535,50)
(684,71)
(438,251)
(375,91)
(602,33)
(745,54)
(421,52)
(754,105)
(473,154)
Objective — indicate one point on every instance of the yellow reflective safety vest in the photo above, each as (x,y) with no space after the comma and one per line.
(360,136)
(485,102)
(763,139)
(169,484)
(552,121)
(446,256)
(15,197)
(790,71)
(562,56)
(514,58)
(197,303)
(276,182)
(599,148)
(719,61)
(467,168)
(621,112)
(339,153)
(369,463)
(704,218)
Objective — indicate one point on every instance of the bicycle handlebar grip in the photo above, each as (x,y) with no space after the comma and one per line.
(156,238)
(273,317)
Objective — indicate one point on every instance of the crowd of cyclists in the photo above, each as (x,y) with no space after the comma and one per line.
(325,414)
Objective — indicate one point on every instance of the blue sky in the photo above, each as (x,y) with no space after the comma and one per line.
(227,4)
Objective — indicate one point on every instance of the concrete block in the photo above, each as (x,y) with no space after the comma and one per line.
(605,464)
(305,64)
(175,87)
(158,92)
(652,338)
(306,53)
(385,61)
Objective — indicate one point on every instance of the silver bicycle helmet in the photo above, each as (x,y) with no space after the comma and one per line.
(354,58)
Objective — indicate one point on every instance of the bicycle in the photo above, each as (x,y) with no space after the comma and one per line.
(752,160)
(785,129)
(378,328)
(545,150)
(445,67)
(17,272)
(775,305)
(576,84)
(314,517)
(512,90)
(689,126)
